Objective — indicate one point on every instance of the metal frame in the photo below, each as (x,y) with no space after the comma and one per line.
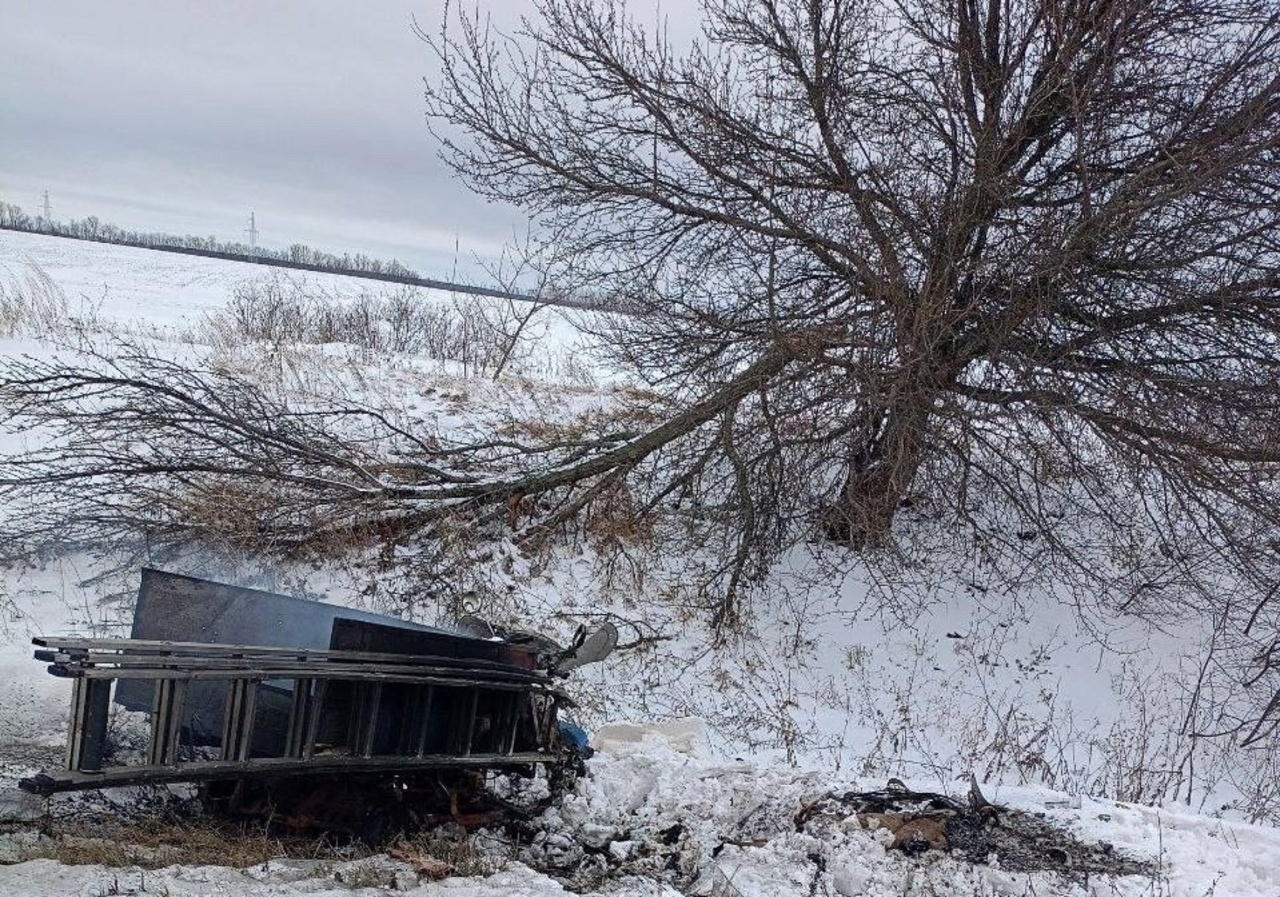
(318,679)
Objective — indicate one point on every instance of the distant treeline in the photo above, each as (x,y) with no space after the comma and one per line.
(298,256)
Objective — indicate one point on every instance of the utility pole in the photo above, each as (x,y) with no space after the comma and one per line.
(253,237)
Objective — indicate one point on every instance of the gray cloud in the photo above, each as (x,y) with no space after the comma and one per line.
(185,116)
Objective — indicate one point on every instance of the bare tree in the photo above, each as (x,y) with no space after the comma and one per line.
(1006,269)
(509,321)
(1030,249)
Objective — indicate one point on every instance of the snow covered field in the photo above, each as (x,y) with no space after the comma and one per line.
(829,688)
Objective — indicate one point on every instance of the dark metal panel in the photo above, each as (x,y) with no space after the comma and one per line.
(172,607)
(377,636)
(179,608)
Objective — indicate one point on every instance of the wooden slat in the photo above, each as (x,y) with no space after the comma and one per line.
(468,727)
(166,721)
(426,697)
(238,719)
(162,661)
(87,728)
(366,729)
(543,717)
(511,717)
(296,728)
(315,708)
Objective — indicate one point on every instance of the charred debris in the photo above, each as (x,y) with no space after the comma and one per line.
(314,713)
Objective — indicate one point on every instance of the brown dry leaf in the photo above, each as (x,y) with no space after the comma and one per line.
(425,865)
(874,821)
(920,831)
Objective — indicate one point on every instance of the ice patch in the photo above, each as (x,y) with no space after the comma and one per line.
(688,735)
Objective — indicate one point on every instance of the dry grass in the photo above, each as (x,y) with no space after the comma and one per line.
(587,424)
(284,310)
(154,844)
(615,519)
(435,855)
(35,305)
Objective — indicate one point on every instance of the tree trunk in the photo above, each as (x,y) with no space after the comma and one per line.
(879,475)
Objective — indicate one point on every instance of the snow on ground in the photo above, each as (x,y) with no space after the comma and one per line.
(658,814)
(174,294)
(163,289)
(828,684)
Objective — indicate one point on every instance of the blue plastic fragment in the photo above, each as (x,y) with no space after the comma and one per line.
(573,733)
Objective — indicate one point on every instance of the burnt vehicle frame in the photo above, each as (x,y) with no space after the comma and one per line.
(383,698)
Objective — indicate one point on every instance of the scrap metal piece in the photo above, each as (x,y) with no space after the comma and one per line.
(591,648)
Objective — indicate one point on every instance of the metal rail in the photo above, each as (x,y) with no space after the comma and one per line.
(122,650)
(117,777)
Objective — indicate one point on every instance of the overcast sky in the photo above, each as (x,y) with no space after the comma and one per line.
(185,116)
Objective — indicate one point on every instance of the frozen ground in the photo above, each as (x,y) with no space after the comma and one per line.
(659,815)
(827,686)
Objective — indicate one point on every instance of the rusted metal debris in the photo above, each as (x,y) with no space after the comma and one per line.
(975,829)
(310,690)
(365,807)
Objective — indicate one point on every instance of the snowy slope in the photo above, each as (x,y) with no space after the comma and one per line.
(827,685)
(129,284)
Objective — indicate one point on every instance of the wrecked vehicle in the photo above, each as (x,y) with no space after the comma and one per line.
(247,690)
